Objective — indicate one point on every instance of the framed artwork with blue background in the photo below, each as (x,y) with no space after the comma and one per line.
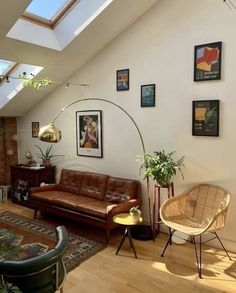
(122,80)
(148,93)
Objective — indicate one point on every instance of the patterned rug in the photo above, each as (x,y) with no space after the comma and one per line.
(22,238)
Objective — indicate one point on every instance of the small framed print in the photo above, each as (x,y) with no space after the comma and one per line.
(89,133)
(207,61)
(35,129)
(205,120)
(148,93)
(122,80)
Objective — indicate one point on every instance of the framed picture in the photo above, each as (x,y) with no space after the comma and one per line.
(207,61)
(206,118)
(122,80)
(148,95)
(89,133)
(35,129)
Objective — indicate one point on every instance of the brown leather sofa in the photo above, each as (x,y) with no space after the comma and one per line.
(87,197)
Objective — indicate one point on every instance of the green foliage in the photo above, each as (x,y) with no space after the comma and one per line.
(9,288)
(134,210)
(161,167)
(34,83)
(46,155)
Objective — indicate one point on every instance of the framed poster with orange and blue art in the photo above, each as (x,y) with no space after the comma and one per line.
(207,61)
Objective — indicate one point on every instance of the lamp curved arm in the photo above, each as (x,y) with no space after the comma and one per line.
(50,133)
(106,101)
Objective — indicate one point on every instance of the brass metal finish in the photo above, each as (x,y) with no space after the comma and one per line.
(50,133)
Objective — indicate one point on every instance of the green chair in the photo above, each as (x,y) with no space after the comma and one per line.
(40,274)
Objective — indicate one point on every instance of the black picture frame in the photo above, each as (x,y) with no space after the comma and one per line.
(122,80)
(148,93)
(207,61)
(205,120)
(35,129)
(89,133)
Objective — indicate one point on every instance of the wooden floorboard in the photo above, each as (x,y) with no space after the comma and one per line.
(176,272)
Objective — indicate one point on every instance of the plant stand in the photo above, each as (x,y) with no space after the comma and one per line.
(156,206)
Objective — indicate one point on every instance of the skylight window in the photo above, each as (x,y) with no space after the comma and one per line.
(48,12)
(5,68)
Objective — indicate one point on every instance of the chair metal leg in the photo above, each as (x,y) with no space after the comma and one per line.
(223,246)
(169,241)
(198,258)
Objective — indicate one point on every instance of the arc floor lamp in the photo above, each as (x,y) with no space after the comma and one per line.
(50,133)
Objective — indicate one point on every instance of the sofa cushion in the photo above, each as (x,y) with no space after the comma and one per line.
(71,180)
(94,185)
(120,190)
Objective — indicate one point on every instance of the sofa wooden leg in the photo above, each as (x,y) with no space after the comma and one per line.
(107,236)
(35,213)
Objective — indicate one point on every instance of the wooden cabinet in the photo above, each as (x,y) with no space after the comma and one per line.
(25,177)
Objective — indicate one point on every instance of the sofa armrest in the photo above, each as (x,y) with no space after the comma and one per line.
(122,207)
(49,187)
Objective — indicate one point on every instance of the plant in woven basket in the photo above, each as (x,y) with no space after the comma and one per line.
(161,167)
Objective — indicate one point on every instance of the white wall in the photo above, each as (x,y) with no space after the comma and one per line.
(158,49)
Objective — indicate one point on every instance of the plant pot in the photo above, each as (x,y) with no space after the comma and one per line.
(135,216)
(47,163)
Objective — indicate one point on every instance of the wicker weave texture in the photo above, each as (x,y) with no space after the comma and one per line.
(202,208)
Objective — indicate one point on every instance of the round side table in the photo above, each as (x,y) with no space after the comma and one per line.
(127,221)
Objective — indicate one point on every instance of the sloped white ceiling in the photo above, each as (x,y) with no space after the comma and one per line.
(60,65)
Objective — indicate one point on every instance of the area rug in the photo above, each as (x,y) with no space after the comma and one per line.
(22,238)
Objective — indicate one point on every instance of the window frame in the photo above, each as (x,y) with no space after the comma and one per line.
(54,20)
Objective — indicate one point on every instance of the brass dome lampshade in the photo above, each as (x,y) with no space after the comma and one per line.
(50,133)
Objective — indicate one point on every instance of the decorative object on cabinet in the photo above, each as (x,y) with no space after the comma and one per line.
(122,80)
(46,155)
(148,95)
(29,158)
(205,121)
(35,129)
(207,61)
(89,133)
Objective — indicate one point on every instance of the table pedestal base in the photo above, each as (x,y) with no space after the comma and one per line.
(127,234)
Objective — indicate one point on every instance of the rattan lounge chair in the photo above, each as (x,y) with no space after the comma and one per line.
(201,209)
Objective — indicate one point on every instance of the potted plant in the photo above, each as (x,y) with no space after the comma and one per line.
(161,167)
(46,155)
(135,213)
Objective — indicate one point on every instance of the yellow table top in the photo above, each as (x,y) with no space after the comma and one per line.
(126,219)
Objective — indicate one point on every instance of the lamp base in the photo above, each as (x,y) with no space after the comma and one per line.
(141,232)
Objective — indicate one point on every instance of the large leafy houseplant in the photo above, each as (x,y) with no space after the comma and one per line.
(161,167)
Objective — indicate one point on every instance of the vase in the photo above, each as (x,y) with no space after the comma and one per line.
(46,163)
(135,216)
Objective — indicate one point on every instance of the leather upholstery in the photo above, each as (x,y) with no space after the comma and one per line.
(121,190)
(38,274)
(94,185)
(89,197)
(71,180)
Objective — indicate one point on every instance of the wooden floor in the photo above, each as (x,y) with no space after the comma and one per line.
(176,272)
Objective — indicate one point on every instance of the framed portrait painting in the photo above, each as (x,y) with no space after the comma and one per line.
(205,120)
(35,129)
(122,80)
(148,95)
(89,133)
(207,61)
